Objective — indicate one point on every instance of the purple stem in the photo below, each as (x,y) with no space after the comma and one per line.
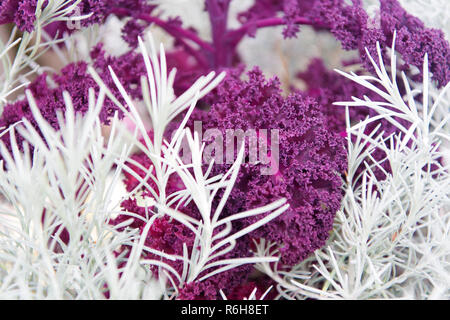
(218,15)
(236,35)
(175,31)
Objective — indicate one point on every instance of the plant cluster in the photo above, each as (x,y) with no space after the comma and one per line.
(109,190)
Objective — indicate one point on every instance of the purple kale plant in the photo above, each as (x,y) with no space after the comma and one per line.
(75,79)
(311,160)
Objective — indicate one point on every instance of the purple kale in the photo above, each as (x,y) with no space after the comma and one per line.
(351,25)
(260,283)
(20,12)
(265,13)
(230,282)
(169,236)
(72,79)
(311,158)
(263,9)
(311,161)
(7,10)
(328,87)
(128,67)
(97,9)
(414,40)
(75,79)
(132,30)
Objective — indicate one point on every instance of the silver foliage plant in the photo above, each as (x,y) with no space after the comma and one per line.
(69,180)
(391,236)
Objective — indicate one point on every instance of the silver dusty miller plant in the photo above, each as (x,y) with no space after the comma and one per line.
(391,237)
(68,181)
